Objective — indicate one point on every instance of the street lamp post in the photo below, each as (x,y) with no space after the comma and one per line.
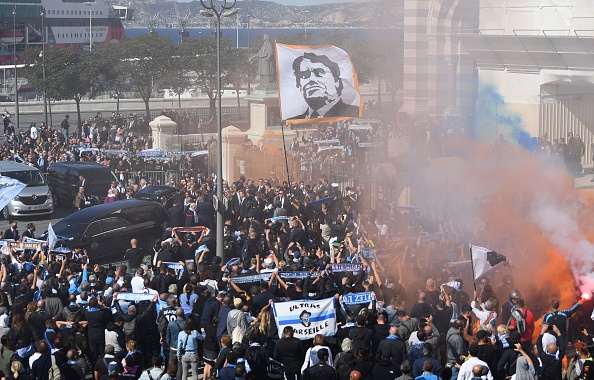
(305,22)
(16,79)
(222,10)
(249,47)
(90,5)
(43,65)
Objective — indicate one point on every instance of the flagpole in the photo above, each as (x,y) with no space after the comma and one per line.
(472,265)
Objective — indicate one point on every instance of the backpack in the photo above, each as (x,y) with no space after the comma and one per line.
(518,316)
(148,372)
(416,352)
(54,372)
(587,370)
(477,324)
(557,319)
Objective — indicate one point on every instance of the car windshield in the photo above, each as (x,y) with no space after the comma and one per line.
(30,177)
(69,230)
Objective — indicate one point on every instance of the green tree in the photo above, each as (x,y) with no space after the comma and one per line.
(110,69)
(146,60)
(200,55)
(68,75)
(239,71)
(177,78)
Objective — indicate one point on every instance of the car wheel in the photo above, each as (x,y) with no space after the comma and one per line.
(5,213)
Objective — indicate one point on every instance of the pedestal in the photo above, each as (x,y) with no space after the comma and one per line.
(264,112)
(163,128)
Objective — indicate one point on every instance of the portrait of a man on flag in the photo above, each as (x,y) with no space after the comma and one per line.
(316,82)
(307,317)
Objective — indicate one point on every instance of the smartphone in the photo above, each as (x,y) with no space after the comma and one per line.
(85,259)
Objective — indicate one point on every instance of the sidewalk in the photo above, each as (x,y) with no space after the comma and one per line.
(584,181)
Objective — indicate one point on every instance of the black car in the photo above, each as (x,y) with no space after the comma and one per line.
(63,179)
(164,194)
(106,230)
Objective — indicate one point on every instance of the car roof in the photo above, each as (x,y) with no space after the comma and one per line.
(13,166)
(90,213)
(156,190)
(81,165)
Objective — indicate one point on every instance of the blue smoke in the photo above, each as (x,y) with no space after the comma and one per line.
(494,118)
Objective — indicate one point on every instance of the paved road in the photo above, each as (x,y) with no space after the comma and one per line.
(41,222)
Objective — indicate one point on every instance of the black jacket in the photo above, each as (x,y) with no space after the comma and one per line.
(320,371)
(421,310)
(361,337)
(551,368)
(392,348)
(98,320)
(289,352)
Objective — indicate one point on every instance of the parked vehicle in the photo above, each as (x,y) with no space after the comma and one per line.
(63,179)
(35,199)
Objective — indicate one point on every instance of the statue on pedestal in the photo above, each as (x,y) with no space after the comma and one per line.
(266,64)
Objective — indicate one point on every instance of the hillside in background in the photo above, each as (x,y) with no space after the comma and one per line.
(268,14)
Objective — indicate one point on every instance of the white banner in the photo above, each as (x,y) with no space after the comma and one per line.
(137,297)
(52,239)
(316,83)
(308,318)
(9,188)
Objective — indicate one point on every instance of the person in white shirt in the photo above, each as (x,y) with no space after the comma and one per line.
(138,282)
(465,372)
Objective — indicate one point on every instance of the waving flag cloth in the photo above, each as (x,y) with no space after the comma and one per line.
(316,83)
(484,260)
(9,188)
(307,317)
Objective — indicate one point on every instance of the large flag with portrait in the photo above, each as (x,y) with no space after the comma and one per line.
(307,317)
(316,84)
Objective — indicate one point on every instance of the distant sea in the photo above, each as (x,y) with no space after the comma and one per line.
(173,33)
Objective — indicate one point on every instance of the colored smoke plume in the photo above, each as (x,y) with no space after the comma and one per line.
(529,215)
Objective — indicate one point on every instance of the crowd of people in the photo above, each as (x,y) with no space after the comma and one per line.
(178,311)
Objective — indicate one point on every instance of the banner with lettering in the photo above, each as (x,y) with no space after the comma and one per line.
(251,278)
(307,318)
(357,298)
(137,297)
(346,267)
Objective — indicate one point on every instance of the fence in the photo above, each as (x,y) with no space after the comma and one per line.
(200,120)
(379,189)
(155,177)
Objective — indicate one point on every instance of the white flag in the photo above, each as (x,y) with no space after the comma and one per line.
(316,83)
(51,237)
(484,260)
(307,317)
(9,188)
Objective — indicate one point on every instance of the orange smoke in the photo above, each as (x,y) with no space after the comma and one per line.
(502,188)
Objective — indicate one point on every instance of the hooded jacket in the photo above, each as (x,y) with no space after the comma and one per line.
(455,345)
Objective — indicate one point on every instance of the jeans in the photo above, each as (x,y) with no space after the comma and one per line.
(65,133)
(190,360)
(455,372)
(173,360)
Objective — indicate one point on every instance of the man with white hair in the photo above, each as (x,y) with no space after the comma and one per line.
(485,313)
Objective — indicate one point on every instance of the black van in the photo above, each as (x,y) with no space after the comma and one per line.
(106,230)
(63,179)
